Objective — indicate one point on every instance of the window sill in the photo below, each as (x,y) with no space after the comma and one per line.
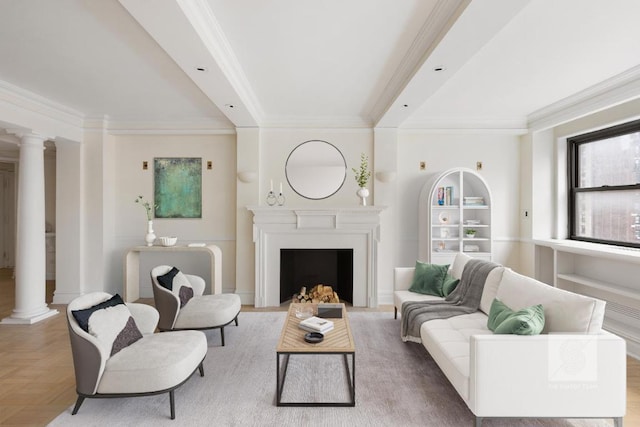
(618,253)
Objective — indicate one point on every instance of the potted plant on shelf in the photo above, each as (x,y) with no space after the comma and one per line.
(362,177)
(470,233)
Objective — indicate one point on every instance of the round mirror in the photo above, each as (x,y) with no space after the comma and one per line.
(316,169)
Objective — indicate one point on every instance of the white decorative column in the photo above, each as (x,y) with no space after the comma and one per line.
(30,302)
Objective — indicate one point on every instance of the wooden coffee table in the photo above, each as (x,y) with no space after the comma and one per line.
(337,341)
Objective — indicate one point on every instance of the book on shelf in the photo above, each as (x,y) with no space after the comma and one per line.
(448,196)
(316,324)
(440,196)
(445,196)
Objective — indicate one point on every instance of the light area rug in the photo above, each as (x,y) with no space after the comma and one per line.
(397,384)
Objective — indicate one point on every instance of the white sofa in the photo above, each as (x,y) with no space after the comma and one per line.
(574,369)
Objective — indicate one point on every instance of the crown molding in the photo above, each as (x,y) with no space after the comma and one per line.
(189,127)
(314,122)
(100,124)
(608,93)
(321,130)
(38,104)
(468,125)
(444,14)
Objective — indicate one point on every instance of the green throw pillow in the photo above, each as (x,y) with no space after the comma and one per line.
(428,278)
(503,320)
(449,284)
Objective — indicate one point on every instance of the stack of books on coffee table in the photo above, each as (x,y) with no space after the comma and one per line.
(316,324)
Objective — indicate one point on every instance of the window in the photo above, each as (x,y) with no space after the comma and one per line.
(604,186)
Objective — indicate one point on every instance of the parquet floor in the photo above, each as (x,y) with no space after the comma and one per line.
(36,369)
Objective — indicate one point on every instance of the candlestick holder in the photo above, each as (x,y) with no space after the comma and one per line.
(271,198)
(280,199)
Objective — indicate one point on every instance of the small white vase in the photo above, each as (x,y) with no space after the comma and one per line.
(150,237)
(363,193)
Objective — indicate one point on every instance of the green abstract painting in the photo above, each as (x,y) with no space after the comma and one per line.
(178,187)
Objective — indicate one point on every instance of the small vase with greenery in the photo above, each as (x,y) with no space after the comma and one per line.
(147,206)
(471,232)
(362,176)
(150,237)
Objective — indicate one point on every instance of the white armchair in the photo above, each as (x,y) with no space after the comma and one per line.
(116,353)
(183,308)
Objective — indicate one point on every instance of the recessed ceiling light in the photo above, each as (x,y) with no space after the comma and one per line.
(229,105)
(439,68)
(405,105)
(203,69)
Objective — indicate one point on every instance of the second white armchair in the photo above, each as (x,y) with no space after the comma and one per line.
(180,301)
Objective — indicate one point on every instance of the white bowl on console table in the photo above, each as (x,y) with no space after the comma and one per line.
(168,240)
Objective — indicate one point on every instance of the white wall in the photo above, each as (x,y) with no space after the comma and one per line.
(114,169)
(276,145)
(500,157)
(217,225)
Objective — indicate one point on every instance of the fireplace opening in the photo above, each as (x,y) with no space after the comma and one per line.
(310,267)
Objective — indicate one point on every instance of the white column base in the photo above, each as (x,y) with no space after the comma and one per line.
(29,320)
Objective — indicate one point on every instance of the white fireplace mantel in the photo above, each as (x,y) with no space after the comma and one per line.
(276,228)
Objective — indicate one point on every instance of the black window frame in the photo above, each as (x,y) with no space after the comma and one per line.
(573,169)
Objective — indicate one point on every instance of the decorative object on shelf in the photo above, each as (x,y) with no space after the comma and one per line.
(196,245)
(363,193)
(313,337)
(443,217)
(304,311)
(271,196)
(444,233)
(330,310)
(147,207)
(441,246)
(280,199)
(471,248)
(472,222)
(168,240)
(474,201)
(178,187)
(470,233)
(362,176)
(150,237)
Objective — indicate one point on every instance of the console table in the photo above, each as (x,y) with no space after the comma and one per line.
(132,267)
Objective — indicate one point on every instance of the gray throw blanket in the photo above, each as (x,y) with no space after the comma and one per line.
(464,299)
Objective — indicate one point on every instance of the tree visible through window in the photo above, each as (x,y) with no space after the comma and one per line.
(604,186)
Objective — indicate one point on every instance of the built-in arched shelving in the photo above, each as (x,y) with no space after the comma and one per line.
(450,205)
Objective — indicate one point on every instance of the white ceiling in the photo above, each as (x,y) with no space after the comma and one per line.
(303,63)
